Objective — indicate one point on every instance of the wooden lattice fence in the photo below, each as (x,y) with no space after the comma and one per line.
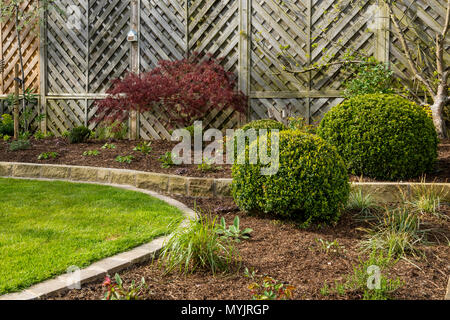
(83,45)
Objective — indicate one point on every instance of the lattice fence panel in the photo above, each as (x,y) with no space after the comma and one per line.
(9,52)
(162,31)
(63,115)
(260,107)
(109,50)
(67,49)
(428,17)
(335,30)
(275,24)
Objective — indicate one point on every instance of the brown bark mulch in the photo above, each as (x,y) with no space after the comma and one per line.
(292,256)
(72,154)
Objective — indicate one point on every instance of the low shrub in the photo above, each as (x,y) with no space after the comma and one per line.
(268,124)
(382,136)
(19,145)
(198,247)
(115,130)
(6,125)
(311,184)
(79,135)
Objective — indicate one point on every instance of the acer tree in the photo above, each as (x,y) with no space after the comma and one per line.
(184,90)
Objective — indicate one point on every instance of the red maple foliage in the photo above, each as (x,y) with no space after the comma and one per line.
(184,90)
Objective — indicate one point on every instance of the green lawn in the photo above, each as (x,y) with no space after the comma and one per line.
(46,227)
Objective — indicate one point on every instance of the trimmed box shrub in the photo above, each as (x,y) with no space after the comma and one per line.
(382,136)
(311,185)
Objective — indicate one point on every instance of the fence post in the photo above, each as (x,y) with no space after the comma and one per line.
(245,13)
(42,105)
(134,116)
(383,25)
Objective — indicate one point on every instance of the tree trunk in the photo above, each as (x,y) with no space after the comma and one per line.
(438,111)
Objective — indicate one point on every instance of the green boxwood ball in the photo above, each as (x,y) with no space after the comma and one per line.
(382,136)
(311,185)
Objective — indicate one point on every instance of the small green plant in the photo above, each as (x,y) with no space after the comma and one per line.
(370,76)
(39,135)
(125,159)
(328,246)
(79,135)
(116,130)
(363,203)
(427,199)
(267,288)
(6,125)
(208,165)
(6,138)
(91,153)
(198,246)
(234,232)
(19,145)
(397,232)
(369,277)
(66,134)
(108,146)
(48,155)
(116,291)
(166,160)
(144,147)
(325,290)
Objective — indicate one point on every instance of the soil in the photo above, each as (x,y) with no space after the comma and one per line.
(72,154)
(293,256)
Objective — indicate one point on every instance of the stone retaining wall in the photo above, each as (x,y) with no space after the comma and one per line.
(179,185)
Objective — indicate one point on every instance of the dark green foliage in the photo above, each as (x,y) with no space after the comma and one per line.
(19,145)
(382,136)
(312,184)
(79,135)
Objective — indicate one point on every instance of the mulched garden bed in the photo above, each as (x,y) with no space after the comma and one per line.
(73,155)
(293,256)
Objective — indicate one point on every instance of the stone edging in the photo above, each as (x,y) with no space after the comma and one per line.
(178,185)
(111,265)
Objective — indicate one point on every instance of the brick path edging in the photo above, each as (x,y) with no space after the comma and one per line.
(111,265)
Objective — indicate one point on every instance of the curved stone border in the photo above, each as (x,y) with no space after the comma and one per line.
(111,265)
(182,186)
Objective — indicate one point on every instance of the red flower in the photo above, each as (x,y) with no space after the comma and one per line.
(107,282)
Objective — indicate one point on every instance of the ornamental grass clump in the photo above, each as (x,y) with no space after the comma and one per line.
(382,136)
(311,184)
(199,246)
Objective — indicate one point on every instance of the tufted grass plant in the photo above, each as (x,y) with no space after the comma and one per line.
(198,246)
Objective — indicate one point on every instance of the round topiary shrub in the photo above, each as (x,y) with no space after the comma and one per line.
(311,184)
(268,124)
(382,136)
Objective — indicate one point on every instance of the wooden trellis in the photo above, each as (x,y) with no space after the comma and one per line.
(83,45)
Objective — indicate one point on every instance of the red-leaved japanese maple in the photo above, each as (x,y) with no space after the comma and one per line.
(183,91)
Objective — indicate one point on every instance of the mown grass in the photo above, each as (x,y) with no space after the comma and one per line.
(46,227)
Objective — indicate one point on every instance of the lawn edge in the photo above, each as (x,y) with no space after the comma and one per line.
(98,270)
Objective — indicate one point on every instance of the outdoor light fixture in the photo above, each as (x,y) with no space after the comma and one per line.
(132,36)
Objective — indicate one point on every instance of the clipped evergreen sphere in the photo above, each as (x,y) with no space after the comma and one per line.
(311,184)
(382,136)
